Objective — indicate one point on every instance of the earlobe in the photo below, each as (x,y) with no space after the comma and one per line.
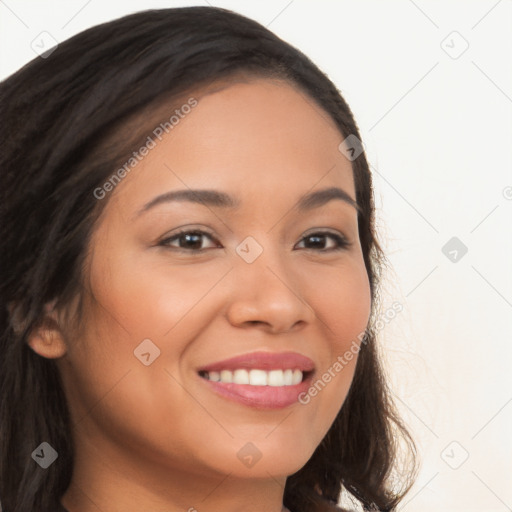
(46,339)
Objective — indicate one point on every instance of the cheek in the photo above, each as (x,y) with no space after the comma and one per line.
(343,299)
(127,400)
(150,296)
(344,309)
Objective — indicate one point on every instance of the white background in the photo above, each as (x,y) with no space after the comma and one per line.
(438,129)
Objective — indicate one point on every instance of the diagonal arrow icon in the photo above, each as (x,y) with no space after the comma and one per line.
(249,455)
(146,352)
(44,455)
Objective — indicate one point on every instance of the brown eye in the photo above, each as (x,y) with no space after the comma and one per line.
(191,241)
(317,241)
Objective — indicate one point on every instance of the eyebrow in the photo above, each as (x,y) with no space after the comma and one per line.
(216,198)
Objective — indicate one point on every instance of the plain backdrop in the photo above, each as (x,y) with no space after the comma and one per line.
(430,85)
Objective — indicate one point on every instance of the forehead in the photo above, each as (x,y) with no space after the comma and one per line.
(256,138)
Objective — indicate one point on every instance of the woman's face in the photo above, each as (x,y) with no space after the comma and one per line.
(254,280)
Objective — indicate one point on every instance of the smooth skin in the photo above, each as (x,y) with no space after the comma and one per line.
(156,438)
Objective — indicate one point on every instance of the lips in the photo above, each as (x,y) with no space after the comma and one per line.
(263,361)
(279,378)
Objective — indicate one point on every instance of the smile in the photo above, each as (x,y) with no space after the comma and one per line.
(260,380)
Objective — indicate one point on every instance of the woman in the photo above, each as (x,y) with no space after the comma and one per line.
(189,278)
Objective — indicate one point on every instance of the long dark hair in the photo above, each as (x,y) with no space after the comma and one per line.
(57,112)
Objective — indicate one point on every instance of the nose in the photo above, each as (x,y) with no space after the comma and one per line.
(267,293)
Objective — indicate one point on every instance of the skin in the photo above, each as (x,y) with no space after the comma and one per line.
(155,437)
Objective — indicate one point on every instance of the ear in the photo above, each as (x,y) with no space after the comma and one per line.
(46,337)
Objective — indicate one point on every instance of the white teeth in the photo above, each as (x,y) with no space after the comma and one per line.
(297,377)
(275,378)
(241,377)
(257,377)
(225,376)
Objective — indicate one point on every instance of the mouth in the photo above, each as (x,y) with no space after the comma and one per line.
(260,380)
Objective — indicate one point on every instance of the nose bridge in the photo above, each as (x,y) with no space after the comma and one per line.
(257,258)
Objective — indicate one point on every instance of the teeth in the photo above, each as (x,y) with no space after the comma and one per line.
(241,377)
(257,377)
(215,376)
(275,378)
(225,376)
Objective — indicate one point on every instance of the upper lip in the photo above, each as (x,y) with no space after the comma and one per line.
(263,361)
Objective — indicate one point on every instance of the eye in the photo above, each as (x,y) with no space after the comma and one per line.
(319,239)
(192,241)
(188,241)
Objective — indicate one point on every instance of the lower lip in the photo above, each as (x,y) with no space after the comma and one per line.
(260,397)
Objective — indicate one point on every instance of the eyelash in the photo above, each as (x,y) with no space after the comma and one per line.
(342,242)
